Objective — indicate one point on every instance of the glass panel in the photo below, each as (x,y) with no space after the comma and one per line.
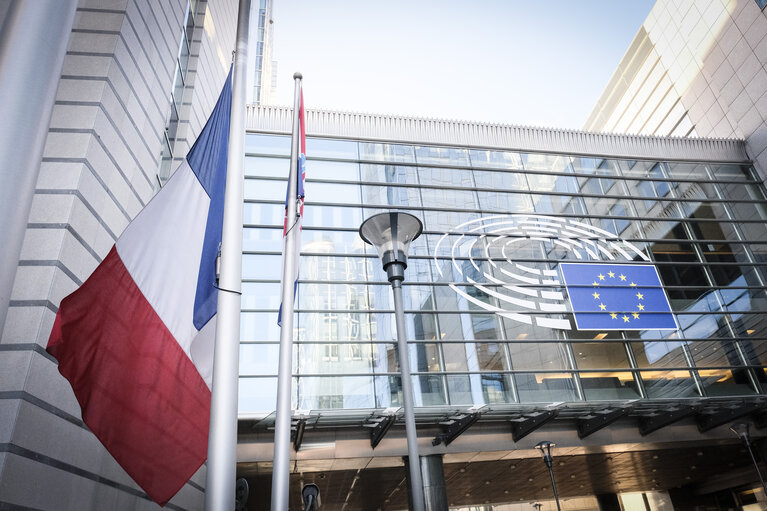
(265,190)
(505,202)
(725,382)
(715,354)
(496,388)
(659,353)
(386,152)
(549,183)
(459,389)
(429,390)
(259,359)
(609,385)
(527,356)
(546,162)
(261,295)
(319,296)
(669,384)
(468,326)
(695,171)
(277,145)
(341,268)
(391,196)
(257,166)
(388,391)
(345,242)
(257,395)
(262,239)
(263,214)
(331,216)
(259,326)
(333,193)
(731,171)
(444,155)
(602,355)
(326,148)
(328,392)
(332,170)
(266,267)
(389,173)
(334,358)
(545,387)
(500,181)
(495,159)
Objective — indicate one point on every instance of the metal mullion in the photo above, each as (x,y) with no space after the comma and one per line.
(757,270)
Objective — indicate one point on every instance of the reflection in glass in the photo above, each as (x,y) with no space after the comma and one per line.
(545,387)
(327,148)
(386,152)
(328,392)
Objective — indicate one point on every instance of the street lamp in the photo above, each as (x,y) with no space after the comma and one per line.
(545,448)
(741,429)
(391,235)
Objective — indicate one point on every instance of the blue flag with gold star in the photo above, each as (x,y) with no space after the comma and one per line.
(617,297)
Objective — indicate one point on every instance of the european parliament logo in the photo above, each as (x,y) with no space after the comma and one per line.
(617,297)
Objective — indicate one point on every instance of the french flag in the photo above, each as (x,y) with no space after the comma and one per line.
(300,198)
(136,339)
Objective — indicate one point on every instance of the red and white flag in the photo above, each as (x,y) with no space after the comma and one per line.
(136,339)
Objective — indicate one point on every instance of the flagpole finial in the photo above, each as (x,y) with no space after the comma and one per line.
(297,76)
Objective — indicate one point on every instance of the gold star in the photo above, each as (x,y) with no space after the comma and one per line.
(611,274)
(622,276)
(639,296)
(595,283)
(625,319)
(614,315)
(602,306)
(635,314)
(595,295)
(601,277)
(633,285)
(640,307)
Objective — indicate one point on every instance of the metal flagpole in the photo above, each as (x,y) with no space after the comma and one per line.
(281,470)
(222,439)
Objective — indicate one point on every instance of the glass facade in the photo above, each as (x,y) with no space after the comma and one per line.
(488,315)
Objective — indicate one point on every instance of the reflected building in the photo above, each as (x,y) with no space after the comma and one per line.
(491,325)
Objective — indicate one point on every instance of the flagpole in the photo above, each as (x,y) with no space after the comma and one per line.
(222,439)
(281,470)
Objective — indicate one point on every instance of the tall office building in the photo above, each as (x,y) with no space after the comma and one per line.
(135,82)
(639,403)
(695,68)
(262,70)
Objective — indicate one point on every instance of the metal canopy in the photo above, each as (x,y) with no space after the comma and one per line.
(526,423)
(454,426)
(657,419)
(599,419)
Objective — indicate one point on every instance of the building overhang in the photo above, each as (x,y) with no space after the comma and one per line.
(413,130)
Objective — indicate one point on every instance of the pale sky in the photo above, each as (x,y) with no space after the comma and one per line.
(532,62)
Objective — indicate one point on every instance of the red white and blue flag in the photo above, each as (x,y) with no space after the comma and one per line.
(136,339)
(300,196)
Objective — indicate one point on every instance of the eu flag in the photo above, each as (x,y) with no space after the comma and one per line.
(617,297)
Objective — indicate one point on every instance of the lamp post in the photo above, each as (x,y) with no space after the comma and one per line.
(741,430)
(545,448)
(391,235)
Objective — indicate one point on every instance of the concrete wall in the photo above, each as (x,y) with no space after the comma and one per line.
(695,68)
(97,172)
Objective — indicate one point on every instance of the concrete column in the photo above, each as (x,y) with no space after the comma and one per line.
(33,42)
(434,490)
(608,502)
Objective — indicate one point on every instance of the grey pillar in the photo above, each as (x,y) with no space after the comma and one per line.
(33,42)
(608,502)
(434,489)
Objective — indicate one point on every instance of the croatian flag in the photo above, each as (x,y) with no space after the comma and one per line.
(300,196)
(136,339)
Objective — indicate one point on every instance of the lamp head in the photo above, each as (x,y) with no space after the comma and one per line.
(391,234)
